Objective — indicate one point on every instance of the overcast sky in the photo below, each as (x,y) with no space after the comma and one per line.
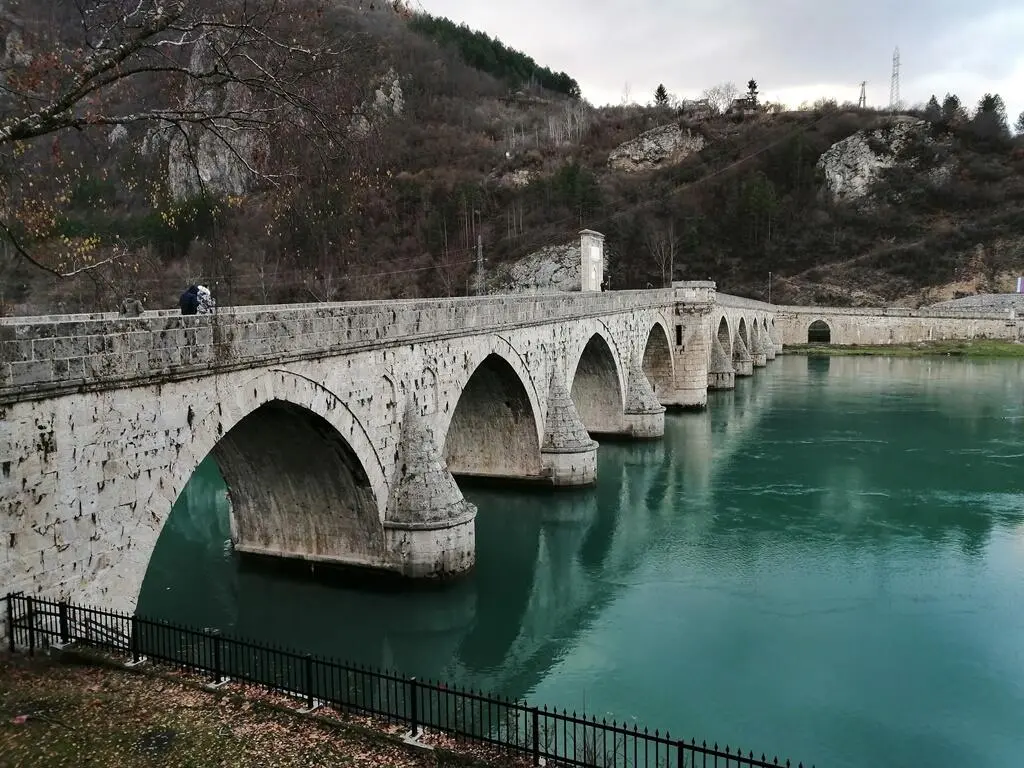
(797,50)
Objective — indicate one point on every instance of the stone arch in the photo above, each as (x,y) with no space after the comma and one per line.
(819,332)
(657,361)
(494,429)
(724,334)
(596,388)
(303,476)
(744,332)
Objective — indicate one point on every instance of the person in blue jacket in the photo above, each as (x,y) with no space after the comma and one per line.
(189,301)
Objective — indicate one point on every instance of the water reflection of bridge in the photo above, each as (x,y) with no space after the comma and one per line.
(549,565)
(546,567)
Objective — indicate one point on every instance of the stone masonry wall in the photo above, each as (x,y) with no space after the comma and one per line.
(44,356)
(94,455)
(894,326)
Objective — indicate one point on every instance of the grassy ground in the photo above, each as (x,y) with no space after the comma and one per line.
(58,714)
(979,348)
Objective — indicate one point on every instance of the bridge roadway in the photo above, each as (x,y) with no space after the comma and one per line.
(338,427)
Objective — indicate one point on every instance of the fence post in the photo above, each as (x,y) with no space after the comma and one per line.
(216,656)
(308,661)
(681,753)
(62,611)
(414,705)
(10,621)
(31,626)
(535,713)
(135,639)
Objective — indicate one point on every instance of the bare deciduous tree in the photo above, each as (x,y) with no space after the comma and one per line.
(228,73)
(662,244)
(720,97)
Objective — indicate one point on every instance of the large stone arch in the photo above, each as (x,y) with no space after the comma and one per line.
(743,329)
(597,382)
(494,429)
(657,359)
(723,330)
(303,476)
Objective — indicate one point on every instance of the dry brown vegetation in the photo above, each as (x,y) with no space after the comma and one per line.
(67,714)
(397,213)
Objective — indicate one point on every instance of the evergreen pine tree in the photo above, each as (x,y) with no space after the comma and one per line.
(661,96)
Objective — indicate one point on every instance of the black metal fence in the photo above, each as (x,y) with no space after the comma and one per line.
(557,738)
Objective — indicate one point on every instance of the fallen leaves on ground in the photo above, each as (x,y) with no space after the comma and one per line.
(55,714)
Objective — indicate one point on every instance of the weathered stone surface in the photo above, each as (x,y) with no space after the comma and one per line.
(742,362)
(108,416)
(665,145)
(639,395)
(564,431)
(851,166)
(123,409)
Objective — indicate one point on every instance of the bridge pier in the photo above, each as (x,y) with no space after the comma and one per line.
(769,346)
(721,374)
(741,359)
(758,355)
(694,300)
(429,528)
(568,454)
(643,416)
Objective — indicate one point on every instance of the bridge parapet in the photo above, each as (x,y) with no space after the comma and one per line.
(694,291)
(739,302)
(42,356)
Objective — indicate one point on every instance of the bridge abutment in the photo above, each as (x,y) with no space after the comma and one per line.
(568,454)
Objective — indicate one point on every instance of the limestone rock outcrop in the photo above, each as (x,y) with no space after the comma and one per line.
(850,167)
(387,101)
(200,159)
(665,145)
(552,268)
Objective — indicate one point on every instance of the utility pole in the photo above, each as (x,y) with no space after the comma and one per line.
(769,287)
(479,265)
(894,83)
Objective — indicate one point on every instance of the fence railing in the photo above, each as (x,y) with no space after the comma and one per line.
(556,738)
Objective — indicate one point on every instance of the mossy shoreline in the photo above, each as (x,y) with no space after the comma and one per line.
(975,348)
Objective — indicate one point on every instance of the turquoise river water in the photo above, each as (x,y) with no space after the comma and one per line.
(827,564)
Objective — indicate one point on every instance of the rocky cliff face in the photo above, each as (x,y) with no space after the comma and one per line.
(218,161)
(554,268)
(387,101)
(850,167)
(665,145)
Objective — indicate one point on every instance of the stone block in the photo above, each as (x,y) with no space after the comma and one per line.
(31,372)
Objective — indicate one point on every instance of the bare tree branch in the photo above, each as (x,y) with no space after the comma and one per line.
(236,73)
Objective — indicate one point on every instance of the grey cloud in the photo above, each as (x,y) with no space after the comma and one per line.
(784,44)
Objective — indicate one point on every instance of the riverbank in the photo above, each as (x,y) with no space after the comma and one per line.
(976,348)
(61,712)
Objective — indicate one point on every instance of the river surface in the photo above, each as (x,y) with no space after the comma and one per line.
(827,564)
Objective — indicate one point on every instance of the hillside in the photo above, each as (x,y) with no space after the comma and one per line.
(448,136)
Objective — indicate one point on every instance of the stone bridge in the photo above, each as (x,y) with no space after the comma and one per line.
(338,428)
